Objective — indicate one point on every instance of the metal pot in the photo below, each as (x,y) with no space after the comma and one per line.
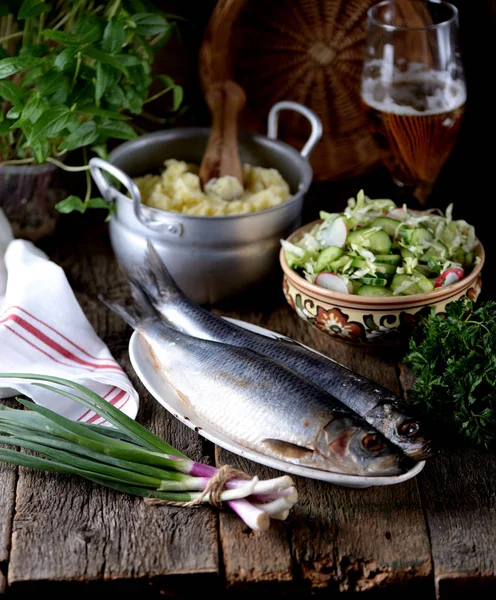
(210,258)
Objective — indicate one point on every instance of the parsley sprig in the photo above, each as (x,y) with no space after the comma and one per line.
(453,356)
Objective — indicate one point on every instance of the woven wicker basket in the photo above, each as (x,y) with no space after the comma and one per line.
(307,51)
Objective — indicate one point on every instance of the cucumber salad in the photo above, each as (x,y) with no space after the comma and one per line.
(375,248)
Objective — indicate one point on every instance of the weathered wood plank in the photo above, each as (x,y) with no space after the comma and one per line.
(459,497)
(254,560)
(8,476)
(8,479)
(343,539)
(70,530)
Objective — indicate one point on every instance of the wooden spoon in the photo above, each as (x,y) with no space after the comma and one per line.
(225,100)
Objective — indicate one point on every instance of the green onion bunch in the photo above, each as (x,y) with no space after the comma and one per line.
(129,458)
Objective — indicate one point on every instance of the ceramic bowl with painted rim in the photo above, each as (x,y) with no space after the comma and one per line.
(370,320)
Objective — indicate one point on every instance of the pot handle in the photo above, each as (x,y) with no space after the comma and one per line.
(315,123)
(108,191)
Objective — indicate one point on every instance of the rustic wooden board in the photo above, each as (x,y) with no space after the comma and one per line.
(8,479)
(459,497)
(254,559)
(70,530)
(340,539)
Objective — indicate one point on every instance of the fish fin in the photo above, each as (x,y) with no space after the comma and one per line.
(128,314)
(287,449)
(137,312)
(156,280)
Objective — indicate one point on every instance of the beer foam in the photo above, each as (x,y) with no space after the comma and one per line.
(448,93)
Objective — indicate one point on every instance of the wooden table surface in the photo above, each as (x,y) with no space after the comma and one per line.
(432,535)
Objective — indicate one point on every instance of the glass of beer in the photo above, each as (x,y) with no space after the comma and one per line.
(413,88)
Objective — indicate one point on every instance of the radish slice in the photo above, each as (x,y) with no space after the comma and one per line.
(335,234)
(449,276)
(397,213)
(333,282)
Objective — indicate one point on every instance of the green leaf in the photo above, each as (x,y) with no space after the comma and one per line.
(70,204)
(14,113)
(62,94)
(134,100)
(61,37)
(117,97)
(51,123)
(66,59)
(5,127)
(32,8)
(140,79)
(117,129)
(177,97)
(37,50)
(50,82)
(150,24)
(12,65)
(130,60)
(104,57)
(33,109)
(98,203)
(40,149)
(84,135)
(9,91)
(114,36)
(91,29)
(106,78)
(102,112)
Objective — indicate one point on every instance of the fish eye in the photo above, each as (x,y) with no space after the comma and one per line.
(372,442)
(409,428)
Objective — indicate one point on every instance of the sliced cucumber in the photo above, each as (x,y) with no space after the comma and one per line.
(340,263)
(425,270)
(415,236)
(383,268)
(327,257)
(378,242)
(435,250)
(373,281)
(405,253)
(388,259)
(390,226)
(411,284)
(372,290)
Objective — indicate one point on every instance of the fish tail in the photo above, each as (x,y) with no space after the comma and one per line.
(156,281)
(140,310)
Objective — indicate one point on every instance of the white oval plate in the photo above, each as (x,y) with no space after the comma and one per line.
(163,393)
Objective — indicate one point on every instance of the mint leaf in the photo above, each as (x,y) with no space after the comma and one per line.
(70,204)
(106,78)
(51,123)
(12,65)
(114,36)
(9,91)
(148,24)
(60,37)
(32,8)
(117,129)
(104,57)
(84,135)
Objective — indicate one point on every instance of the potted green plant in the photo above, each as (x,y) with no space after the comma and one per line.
(73,73)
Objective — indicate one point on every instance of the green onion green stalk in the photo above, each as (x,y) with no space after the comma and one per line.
(129,458)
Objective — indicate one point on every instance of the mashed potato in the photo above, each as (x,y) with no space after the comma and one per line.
(178,189)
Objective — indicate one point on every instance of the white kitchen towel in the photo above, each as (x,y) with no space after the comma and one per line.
(43,330)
